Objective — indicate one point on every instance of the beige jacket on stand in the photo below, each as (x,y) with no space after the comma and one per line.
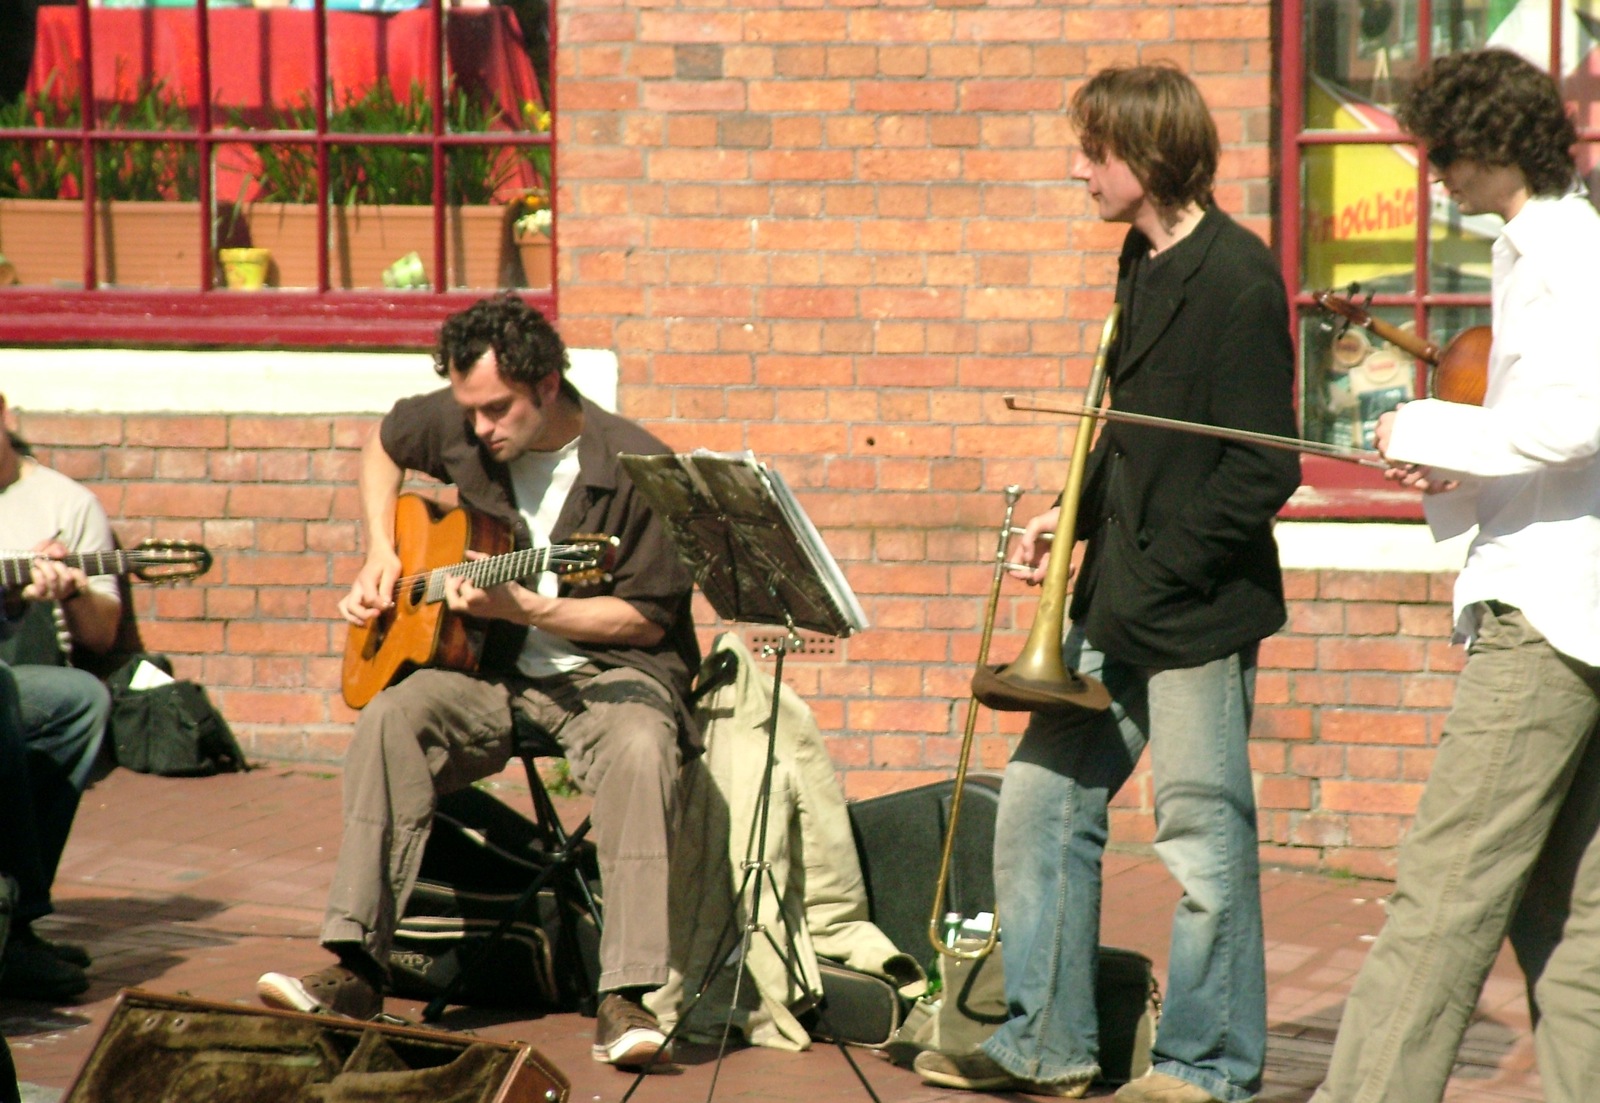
(812,898)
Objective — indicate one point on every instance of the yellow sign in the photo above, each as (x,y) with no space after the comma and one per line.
(1360,200)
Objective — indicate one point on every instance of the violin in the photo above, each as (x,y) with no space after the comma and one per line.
(1458,373)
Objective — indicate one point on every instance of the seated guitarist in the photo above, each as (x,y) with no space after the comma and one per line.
(607,670)
(52,715)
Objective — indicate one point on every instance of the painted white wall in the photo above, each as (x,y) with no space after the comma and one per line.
(143,381)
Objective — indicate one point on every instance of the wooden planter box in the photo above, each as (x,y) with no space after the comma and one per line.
(367,240)
(536,258)
(137,244)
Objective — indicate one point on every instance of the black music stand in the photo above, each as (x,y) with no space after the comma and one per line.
(758,559)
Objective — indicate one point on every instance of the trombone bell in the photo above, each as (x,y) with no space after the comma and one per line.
(1012,687)
(1038,681)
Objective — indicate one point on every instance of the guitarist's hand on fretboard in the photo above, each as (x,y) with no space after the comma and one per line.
(501,602)
(53,580)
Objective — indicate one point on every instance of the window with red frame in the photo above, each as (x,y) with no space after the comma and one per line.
(1361,222)
(323,173)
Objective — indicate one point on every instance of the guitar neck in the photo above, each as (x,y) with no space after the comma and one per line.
(488,573)
(17,570)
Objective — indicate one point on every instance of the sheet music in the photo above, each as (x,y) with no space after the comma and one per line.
(753,551)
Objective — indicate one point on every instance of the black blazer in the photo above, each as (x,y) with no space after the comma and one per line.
(1181,567)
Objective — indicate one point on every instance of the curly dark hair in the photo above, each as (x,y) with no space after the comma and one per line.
(1153,118)
(1496,107)
(526,346)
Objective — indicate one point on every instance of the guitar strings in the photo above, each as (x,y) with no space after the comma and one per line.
(476,570)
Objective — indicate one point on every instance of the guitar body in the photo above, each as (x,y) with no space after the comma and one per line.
(415,632)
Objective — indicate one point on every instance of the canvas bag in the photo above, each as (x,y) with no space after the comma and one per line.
(973,1005)
(171,729)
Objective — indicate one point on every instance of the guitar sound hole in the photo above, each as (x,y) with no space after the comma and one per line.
(418,589)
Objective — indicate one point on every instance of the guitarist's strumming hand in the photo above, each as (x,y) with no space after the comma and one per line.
(373,590)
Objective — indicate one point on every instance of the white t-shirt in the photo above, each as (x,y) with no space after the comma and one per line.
(43,504)
(540,483)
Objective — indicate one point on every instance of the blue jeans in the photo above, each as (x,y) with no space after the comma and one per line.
(1050,836)
(51,727)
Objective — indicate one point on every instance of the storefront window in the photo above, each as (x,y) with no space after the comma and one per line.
(1364,226)
(332,164)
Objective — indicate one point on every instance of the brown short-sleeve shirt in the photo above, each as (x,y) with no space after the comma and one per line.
(430,433)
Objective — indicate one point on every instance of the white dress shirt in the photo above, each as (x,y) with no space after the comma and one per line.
(1529,457)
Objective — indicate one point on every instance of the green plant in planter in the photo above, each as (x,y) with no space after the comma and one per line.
(32,168)
(40,168)
(148,170)
(379,174)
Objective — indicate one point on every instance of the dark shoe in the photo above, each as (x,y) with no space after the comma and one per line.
(69,952)
(978,1072)
(627,1035)
(1158,1087)
(31,972)
(333,991)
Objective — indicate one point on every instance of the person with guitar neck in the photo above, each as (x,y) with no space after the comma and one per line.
(52,725)
(604,666)
(1505,840)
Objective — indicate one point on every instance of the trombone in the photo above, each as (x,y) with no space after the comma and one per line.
(1037,680)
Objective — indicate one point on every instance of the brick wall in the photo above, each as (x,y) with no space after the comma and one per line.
(1350,694)
(835,234)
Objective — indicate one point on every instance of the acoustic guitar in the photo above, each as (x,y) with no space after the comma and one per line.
(419,629)
(150,561)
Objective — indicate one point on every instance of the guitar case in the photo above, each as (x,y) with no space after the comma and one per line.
(168,1049)
(899,838)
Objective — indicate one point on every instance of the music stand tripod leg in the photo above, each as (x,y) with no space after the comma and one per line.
(756,866)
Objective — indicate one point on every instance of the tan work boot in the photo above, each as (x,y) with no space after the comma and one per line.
(978,1072)
(1158,1087)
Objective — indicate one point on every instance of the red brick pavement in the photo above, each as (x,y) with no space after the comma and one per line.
(198,886)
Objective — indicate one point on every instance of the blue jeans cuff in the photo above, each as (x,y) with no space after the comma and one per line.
(1039,1073)
(1218,1087)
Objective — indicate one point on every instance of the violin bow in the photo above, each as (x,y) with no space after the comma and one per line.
(1362,456)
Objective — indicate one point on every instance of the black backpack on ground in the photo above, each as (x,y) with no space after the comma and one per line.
(479,858)
(171,729)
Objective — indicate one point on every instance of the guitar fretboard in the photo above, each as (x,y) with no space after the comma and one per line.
(488,573)
(16,568)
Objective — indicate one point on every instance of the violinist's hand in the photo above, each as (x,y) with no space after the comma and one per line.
(1411,475)
(1034,547)
(1383,432)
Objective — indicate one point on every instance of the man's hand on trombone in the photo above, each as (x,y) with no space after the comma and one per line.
(1033,550)
(1406,474)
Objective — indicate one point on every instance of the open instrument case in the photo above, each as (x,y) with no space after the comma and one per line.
(169,1049)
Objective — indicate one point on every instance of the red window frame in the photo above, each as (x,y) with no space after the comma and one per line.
(212,315)
(1339,490)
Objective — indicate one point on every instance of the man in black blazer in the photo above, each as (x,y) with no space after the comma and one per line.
(1179,584)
